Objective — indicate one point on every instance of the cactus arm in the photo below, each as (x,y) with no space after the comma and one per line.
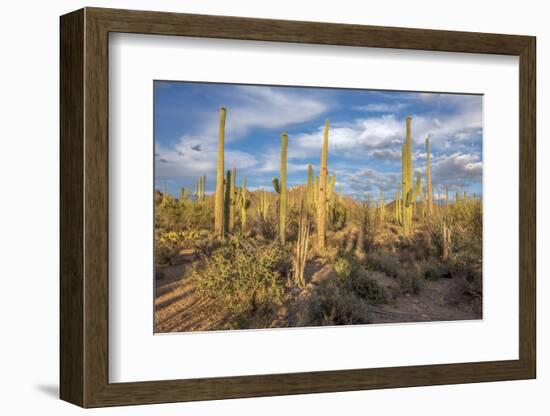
(276,186)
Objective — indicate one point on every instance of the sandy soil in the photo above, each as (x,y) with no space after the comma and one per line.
(179,309)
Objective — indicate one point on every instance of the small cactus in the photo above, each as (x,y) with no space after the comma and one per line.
(242,203)
(263,205)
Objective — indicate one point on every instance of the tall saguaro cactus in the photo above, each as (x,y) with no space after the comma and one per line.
(409,193)
(429,177)
(322,202)
(218,202)
(280,188)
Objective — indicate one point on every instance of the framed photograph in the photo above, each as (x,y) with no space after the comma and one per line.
(257,207)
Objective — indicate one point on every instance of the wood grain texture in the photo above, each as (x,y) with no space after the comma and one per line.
(84,207)
(71,213)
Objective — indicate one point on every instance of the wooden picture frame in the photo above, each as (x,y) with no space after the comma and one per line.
(84,207)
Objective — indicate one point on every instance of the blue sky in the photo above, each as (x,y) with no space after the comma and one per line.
(367,128)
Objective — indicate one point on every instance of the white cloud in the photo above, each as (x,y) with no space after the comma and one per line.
(386,154)
(382,107)
(456,170)
(196,153)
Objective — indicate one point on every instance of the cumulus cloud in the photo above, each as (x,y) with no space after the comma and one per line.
(456,170)
(368,180)
(382,107)
(254,107)
(386,154)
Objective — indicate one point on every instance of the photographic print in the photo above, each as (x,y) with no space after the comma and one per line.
(289,206)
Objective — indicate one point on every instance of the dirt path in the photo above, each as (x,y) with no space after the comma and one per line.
(431,304)
(177,307)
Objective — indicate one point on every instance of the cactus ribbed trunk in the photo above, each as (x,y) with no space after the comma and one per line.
(315,193)
(409,193)
(301,243)
(283,196)
(382,207)
(429,177)
(263,205)
(310,193)
(242,203)
(218,202)
(227,201)
(322,202)
(232,200)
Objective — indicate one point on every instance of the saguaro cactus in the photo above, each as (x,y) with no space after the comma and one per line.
(184,195)
(446,241)
(310,202)
(243,203)
(218,202)
(301,243)
(397,208)
(280,188)
(263,205)
(199,188)
(382,207)
(232,199)
(322,201)
(409,193)
(429,177)
(164,199)
(316,191)
(227,201)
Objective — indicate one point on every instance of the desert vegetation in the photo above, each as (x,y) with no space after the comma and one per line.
(309,255)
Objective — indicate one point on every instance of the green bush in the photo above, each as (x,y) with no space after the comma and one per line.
(386,262)
(432,269)
(343,267)
(333,303)
(366,287)
(242,278)
(412,281)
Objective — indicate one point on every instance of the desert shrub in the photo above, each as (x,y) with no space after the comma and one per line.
(268,228)
(242,278)
(384,261)
(467,264)
(343,267)
(177,215)
(366,287)
(333,303)
(165,252)
(169,244)
(411,281)
(432,269)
